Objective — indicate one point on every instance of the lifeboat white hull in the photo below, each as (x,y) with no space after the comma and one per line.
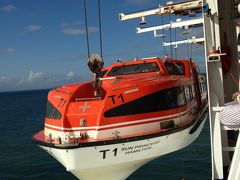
(119,160)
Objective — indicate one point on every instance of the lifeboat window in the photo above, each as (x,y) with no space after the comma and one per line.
(181,100)
(102,73)
(187,93)
(162,100)
(134,69)
(175,68)
(193,91)
(190,67)
(167,124)
(52,112)
(201,88)
(204,87)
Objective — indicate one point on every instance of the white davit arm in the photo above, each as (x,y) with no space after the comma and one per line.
(178,8)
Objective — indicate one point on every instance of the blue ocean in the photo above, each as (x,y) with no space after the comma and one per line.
(21,116)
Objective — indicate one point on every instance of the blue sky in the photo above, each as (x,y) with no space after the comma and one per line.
(43,43)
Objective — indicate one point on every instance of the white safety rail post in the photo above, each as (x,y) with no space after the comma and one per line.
(216,95)
(216,141)
(234,172)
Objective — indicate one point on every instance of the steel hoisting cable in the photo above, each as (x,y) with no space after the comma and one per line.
(188,51)
(170,35)
(100,27)
(86,28)
(191,50)
(188,47)
(163,33)
(175,44)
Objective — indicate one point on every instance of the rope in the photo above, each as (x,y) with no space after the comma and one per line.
(86,24)
(100,27)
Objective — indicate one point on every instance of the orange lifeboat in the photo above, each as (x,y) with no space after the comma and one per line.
(145,108)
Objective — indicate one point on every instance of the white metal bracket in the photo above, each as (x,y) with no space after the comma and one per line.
(172,25)
(193,40)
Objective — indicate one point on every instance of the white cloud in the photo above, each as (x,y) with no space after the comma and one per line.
(40,80)
(35,76)
(8,51)
(32,78)
(70,75)
(8,83)
(4,79)
(74,28)
(78,31)
(73,31)
(33,28)
(137,2)
(71,23)
(8,8)
(93,29)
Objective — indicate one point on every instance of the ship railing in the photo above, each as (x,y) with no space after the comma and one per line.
(234,168)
